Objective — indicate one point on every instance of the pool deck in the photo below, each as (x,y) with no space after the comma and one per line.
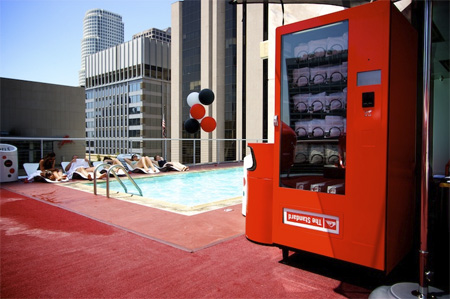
(60,242)
(193,232)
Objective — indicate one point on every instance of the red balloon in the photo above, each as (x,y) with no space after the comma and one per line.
(197,111)
(208,124)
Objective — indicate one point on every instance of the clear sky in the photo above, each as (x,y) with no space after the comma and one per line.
(40,40)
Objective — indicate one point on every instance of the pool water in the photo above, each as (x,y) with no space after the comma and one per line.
(188,188)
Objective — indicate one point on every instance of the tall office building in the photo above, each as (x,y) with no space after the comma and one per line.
(127,94)
(101,30)
(203,56)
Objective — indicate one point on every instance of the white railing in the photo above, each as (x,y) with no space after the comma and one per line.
(185,150)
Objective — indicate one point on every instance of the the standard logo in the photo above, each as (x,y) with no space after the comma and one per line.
(314,221)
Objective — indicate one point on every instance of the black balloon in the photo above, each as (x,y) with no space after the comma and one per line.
(206,96)
(191,125)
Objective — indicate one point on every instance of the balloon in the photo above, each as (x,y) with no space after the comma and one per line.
(198,111)
(192,99)
(208,124)
(206,96)
(191,125)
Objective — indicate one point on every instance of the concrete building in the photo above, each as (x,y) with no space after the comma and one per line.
(204,56)
(155,33)
(127,94)
(41,110)
(101,30)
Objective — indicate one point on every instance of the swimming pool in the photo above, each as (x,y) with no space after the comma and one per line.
(188,188)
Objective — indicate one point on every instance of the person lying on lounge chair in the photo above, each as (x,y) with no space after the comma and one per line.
(82,167)
(47,167)
(144,162)
(175,165)
(111,161)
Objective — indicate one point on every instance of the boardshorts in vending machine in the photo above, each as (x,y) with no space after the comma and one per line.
(338,180)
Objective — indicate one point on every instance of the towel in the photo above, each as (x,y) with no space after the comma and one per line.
(301,51)
(317,48)
(337,100)
(300,77)
(336,45)
(301,102)
(75,165)
(317,102)
(337,73)
(318,75)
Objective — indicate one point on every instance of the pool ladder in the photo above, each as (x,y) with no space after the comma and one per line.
(113,172)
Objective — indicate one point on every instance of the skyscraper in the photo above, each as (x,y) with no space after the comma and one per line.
(127,95)
(203,56)
(101,30)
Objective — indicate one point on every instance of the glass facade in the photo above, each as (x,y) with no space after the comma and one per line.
(191,72)
(191,49)
(314,108)
(230,81)
(101,30)
(127,102)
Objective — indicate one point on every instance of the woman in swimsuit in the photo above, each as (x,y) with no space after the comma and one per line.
(48,170)
(162,163)
(143,162)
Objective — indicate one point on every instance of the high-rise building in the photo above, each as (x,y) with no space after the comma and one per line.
(127,97)
(203,56)
(101,30)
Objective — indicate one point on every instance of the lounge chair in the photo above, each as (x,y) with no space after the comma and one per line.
(122,157)
(72,174)
(34,174)
(139,169)
(166,167)
(119,172)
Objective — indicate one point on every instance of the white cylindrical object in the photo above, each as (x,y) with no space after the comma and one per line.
(9,163)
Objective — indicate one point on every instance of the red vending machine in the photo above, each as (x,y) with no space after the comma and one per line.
(338,180)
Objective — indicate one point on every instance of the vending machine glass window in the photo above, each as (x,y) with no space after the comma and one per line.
(314,108)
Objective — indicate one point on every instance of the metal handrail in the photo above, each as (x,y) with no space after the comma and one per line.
(111,171)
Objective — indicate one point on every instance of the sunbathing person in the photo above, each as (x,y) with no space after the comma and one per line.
(164,164)
(81,166)
(111,161)
(48,169)
(143,162)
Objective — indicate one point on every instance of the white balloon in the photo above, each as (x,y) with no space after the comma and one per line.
(192,99)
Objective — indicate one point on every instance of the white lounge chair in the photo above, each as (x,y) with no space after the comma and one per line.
(122,157)
(34,174)
(119,172)
(72,174)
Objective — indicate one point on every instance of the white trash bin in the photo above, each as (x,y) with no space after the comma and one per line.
(248,163)
(8,165)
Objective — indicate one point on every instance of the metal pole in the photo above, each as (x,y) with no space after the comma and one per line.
(194,152)
(218,151)
(423,252)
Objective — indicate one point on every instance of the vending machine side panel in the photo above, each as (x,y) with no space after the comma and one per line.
(402,139)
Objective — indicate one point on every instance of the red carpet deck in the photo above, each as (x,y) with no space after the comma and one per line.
(50,252)
(185,232)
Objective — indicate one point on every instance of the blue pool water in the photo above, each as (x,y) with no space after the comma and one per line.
(188,188)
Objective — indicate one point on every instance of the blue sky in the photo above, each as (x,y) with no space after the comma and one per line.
(40,40)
